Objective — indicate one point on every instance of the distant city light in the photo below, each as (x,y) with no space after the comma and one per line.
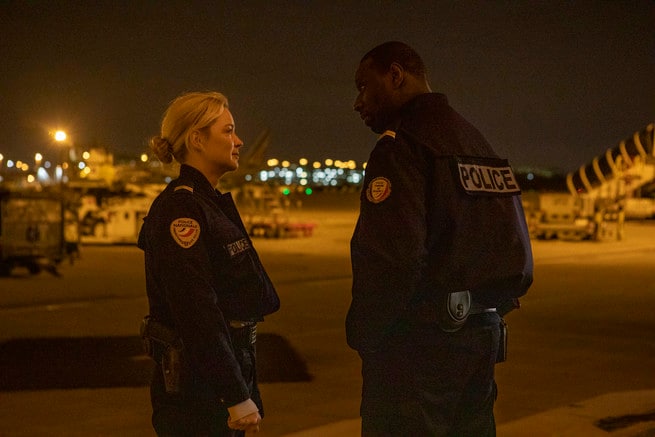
(42,175)
(286,174)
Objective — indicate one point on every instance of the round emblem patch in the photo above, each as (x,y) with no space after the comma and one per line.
(378,190)
(185,231)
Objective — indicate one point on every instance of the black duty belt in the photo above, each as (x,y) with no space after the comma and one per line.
(476,308)
(243,334)
(236,324)
(451,311)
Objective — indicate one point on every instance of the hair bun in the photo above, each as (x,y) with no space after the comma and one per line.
(162,149)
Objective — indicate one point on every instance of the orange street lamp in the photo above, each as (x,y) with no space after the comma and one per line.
(60,136)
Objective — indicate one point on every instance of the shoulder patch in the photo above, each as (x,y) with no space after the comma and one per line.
(485,176)
(378,190)
(185,232)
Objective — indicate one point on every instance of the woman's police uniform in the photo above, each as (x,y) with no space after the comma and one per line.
(206,285)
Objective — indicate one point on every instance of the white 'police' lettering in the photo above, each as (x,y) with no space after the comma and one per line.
(238,247)
(495,178)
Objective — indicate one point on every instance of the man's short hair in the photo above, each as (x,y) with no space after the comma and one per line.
(389,52)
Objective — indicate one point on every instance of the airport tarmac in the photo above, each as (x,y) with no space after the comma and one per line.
(626,409)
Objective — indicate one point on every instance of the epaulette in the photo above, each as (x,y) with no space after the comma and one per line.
(387,133)
(184,187)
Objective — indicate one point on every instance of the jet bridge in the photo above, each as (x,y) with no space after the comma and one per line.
(620,171)
(614,180)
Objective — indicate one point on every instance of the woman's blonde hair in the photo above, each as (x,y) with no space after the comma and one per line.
(188,112)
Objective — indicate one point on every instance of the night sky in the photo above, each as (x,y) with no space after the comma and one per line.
(551,84)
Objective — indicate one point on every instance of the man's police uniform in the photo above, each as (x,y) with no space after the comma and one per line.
(206,283)
(441,232)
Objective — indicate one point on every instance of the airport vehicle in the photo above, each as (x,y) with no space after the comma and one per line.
(265,213)
(115,219)
(639,208)
(31,232)
(601,194)
(560,216)
(114,214)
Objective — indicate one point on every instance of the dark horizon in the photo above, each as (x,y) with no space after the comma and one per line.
(550,84)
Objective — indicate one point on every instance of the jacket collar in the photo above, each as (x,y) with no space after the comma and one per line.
(193,178)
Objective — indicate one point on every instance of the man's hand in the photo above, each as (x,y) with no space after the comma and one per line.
(249,423)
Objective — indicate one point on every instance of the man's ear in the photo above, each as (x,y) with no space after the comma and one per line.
(397,74)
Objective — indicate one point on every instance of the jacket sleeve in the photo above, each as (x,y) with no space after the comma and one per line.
(388,248)
(184,274)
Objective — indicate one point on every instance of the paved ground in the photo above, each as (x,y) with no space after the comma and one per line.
(120,411)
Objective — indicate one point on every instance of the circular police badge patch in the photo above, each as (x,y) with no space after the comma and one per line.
(378,189)
(185,231)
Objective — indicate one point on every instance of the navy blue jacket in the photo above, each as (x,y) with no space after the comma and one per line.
(201,272)
(440,213)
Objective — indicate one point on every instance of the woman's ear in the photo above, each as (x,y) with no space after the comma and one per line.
(197,140)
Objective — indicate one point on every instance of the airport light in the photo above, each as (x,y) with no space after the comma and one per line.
(37,160)
(60,136)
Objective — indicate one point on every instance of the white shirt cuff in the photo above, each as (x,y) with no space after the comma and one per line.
(242,409)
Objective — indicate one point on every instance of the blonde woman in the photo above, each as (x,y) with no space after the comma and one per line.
(206,286)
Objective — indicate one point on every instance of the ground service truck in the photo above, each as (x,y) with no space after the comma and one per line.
(31,232)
